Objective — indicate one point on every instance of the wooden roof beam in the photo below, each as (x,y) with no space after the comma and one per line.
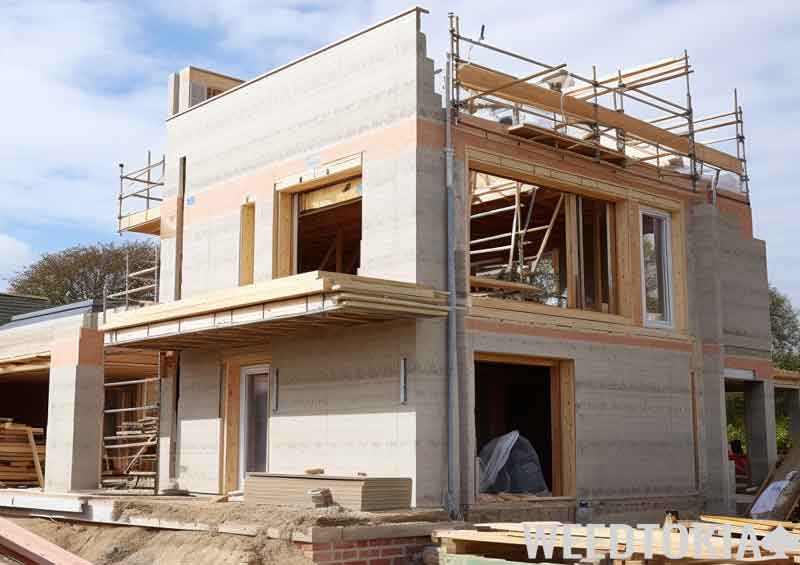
(482,79)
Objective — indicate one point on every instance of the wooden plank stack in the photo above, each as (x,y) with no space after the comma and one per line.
(495,543)
(354,493)
(22,451)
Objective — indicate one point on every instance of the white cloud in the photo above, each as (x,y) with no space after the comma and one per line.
(14,254)
(86,82)
(79,97)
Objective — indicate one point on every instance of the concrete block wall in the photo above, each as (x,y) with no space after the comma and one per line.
(199,433)
(75,410)
(340,408)
(745,291)
(364,94)
(729,316)
(633,412)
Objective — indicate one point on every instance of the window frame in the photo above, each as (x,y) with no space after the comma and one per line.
(669,284)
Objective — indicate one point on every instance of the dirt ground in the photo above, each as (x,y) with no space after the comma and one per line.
(128,545)
(284,518)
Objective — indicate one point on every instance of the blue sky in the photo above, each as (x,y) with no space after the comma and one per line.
(83,87)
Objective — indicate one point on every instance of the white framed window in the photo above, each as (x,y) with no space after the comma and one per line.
(657,283)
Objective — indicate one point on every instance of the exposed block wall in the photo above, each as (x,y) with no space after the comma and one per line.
(75,411)
(199,430)
(340,408)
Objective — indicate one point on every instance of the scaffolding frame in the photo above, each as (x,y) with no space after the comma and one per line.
(142,435)
(621,92)
(142,184)
(141,286)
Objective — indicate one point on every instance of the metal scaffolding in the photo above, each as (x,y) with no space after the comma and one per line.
(131,432)
(595,131)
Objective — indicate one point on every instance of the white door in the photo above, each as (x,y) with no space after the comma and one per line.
(254,416)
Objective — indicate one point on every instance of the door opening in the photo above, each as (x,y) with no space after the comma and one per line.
(524,426)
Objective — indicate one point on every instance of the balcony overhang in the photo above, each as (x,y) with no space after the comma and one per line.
(145,221)
(255,313)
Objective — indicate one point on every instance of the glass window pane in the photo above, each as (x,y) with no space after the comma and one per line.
(257,390)
(655,261)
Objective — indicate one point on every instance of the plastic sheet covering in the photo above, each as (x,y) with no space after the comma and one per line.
(775,497)
(509,463)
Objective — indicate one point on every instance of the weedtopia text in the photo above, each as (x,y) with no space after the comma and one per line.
(673,540)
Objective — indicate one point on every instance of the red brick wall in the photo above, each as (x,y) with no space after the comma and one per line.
(389,551)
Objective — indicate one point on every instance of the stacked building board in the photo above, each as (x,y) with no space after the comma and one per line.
(353,493)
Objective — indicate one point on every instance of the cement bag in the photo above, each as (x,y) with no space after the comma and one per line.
(777,499)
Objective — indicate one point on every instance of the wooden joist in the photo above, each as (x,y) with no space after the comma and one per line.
(277,307)
(482,79)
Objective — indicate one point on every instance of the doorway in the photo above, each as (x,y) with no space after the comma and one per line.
(254,421)
(536,398)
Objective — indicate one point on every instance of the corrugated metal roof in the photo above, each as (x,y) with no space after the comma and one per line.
(13,304)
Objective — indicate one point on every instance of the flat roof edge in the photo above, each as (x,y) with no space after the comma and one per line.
(85,306)
(416,8)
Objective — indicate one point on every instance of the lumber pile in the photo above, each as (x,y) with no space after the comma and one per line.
(505,543)
(129,455)
(21,455)
(354,493)
(737,523)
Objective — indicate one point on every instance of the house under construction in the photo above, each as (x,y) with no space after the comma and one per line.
(368,265)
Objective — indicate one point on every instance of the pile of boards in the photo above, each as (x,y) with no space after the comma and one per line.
(354,493)
(21,455)
(505,543)
(129,455)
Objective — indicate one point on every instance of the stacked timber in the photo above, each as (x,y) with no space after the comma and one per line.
(21,455)
(508,543)
(375,296)
(353,493)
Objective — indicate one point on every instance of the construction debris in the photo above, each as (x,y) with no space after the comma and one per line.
(21,455)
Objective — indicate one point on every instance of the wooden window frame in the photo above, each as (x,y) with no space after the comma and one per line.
(574,243)
(247,243)
(286,215)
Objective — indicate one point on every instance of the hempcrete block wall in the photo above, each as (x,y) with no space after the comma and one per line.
(235,145)
(339,392)
(340,409)
(729,303)
(745,291)
(199,422)
(633,426)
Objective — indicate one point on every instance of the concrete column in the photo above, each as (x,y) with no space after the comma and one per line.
(168,423)
(75,411)
(759,407)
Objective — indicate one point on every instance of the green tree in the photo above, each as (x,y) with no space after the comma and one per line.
(83,271)
(785,328)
